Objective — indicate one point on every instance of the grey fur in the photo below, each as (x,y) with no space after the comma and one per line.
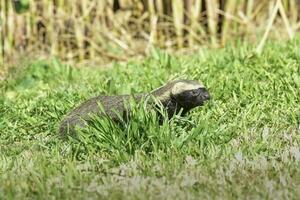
(174,96)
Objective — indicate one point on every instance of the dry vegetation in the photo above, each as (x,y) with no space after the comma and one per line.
(79,30)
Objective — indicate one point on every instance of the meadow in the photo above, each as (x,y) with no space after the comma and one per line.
(244,143)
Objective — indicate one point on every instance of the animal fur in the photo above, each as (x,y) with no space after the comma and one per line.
(176,96)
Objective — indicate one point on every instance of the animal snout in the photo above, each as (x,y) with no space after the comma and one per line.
(205,94)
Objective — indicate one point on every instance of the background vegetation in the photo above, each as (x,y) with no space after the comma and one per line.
(101,31)
(243,144)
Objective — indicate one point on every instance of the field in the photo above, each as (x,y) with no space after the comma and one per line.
(244,143)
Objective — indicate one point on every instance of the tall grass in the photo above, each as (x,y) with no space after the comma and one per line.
(117,29)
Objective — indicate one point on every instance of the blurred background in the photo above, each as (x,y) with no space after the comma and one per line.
(101,31)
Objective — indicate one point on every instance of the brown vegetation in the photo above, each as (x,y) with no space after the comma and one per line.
(79,30)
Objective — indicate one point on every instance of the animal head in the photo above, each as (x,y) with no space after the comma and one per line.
(186,93)
(189,93)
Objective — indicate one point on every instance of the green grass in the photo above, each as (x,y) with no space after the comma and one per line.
(244,143)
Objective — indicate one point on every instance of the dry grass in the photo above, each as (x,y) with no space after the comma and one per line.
(101,31)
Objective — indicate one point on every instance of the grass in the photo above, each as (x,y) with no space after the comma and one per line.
(243,144)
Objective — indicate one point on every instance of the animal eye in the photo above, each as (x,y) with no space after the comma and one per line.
(194,92)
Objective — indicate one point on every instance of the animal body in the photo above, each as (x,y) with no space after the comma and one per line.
(176,96)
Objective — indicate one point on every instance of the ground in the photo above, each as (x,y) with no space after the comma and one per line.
(244,143)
